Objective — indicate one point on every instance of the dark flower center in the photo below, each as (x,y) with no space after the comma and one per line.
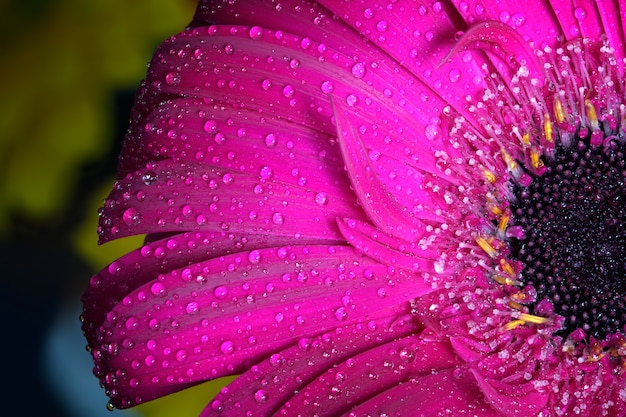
(574,248)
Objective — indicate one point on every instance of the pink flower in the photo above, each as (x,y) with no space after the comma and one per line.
(371,208)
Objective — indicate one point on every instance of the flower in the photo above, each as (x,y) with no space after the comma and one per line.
(374,209)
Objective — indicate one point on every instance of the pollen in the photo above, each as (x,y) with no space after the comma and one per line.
(559,111)
(547,128)
(486,247)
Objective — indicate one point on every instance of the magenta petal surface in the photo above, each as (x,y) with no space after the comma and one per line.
(230,312)
(333,196)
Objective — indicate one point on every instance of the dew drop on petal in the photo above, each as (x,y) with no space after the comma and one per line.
(254,257)
(149,178)
(131,217)
(580,13)
(358,70)
(321,198)
(256,32)
(261,396)
(327,87)
(172,78)
(158,289)
(220,292)
(227,347)
(270,140)
(278,218)
(192,307)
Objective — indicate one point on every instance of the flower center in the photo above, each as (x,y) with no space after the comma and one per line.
(574,247)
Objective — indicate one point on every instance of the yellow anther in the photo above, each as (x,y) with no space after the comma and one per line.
(510,162)
(591,114)
(547,128)
(513,325)
(559,111)
(519,296)
(489,176)
(495,210)
(535,161)
(500,279)
(526,139)
(486,246)
(506,267)
(516,306)
(529,318)
(504,221)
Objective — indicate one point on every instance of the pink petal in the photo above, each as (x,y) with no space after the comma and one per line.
(418,35)
(111,285)
(390,250)
(512,400)
(269,385)
(230,312)
(445,392)
(168,197)
(535,21)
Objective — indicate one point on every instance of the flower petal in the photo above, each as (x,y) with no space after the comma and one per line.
(512,400)
(535,21)
(230,312)
(446,392)
(269,385)
(168,197)
(123,276)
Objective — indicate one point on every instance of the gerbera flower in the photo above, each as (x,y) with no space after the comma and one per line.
(374,209)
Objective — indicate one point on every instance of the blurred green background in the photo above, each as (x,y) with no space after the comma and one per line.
(68,76)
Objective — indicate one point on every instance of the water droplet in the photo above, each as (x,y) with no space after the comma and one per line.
(172,78)
(210,126)
(358,70)
(278,218)
(192,308)
(288,91)
(131,217)
(341,314)
(432,131)
(327,87)
(382,26)
(149,178)
(254,257)
(270,140)
(266,84)
(321,198)
(266,173)
(220,292)
(227,347)
(580,13)
(454,75)
(261,396)
(256,32)
(158,289)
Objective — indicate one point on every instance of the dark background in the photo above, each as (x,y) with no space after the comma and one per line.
(69,71)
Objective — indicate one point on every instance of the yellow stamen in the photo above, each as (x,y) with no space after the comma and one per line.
(559,111)
(529,318)
(501,279)
(504,221)
(591,114)
(516,306)
(510,162)
(484,245)
(506,267)
(489,176)
(512,325)
(526,139)
(525,318)
(519,296)
(547,128)
(535,161)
